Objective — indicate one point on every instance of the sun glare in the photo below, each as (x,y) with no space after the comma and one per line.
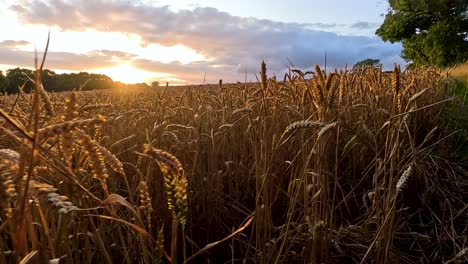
(128,74)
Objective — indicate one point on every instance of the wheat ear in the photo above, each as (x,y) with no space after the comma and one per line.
(68,126)
(9,160)
(96,159)
(145,201)
(67,139)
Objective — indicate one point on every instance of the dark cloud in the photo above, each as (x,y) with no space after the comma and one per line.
(238,44)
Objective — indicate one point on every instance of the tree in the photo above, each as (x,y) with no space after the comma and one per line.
(99,82)
(48,79)
(367,63)
(18,77)
(55,82)
(155,84)
(3,83)
(432,32)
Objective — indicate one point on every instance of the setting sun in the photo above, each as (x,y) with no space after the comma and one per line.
(128,74)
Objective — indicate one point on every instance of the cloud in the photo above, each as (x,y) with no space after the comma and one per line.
(113,53)
(13,43)
(365,25)
(193,72)
(233,45)
(322,25)
(57,60)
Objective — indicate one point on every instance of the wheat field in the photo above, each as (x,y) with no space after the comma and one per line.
(351,166)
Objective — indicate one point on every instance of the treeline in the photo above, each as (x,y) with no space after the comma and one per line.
(53,82)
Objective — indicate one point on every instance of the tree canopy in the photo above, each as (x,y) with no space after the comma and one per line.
(367,63)
(3,82)
(20,77)
(432,32)
(155,84)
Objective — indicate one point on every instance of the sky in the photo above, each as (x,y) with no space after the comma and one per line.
(188,42)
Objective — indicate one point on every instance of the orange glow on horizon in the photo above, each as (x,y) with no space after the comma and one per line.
(128,74)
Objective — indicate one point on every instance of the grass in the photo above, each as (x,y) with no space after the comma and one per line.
(346,167)
(458,111)
(460,70)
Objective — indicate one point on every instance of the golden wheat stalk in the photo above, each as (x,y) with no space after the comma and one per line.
(71,108)
(176,193)
(319,74)
(36,188)
(317,93)
(95,106)
(263,75)
(341,88)
(396,79)
(175,186)
(165,158)
(96,159)
(9,160)
(325,128)
(114,163)
(66,142)
(47,103)
(332,87)
(145,201)
(175,182)
(68,126)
